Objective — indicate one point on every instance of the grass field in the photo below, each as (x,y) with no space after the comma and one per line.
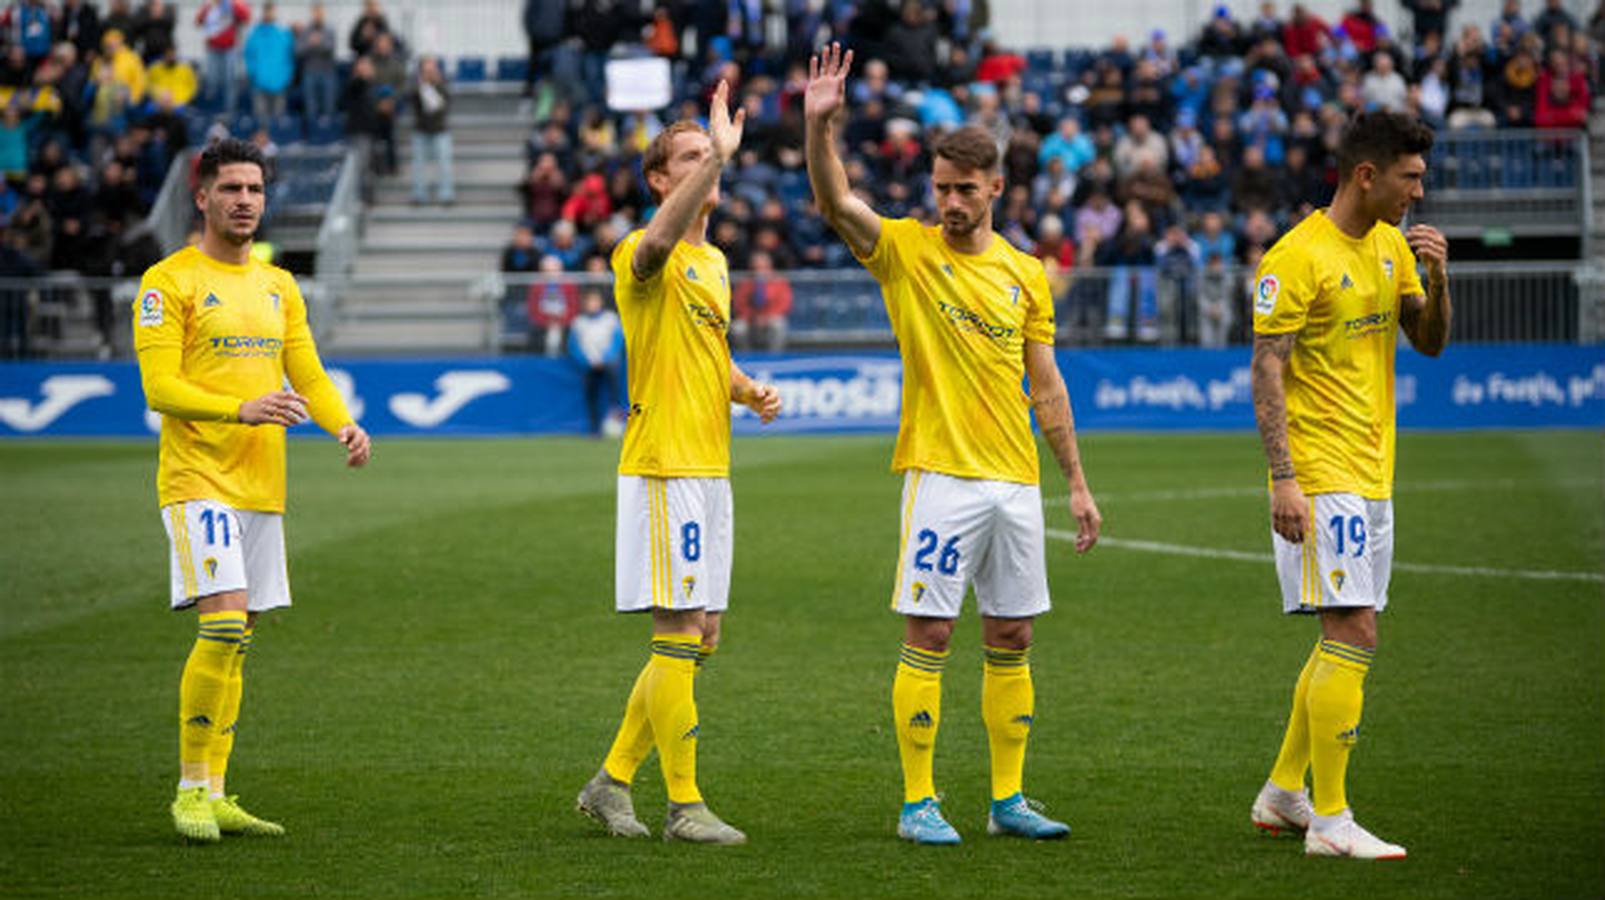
(452,672)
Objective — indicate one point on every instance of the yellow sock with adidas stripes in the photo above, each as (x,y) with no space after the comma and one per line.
(1007,703)
(202,688)
(671,707)
(917,709)
(1337,693)
(634,739)
(223,738)
(1293,760)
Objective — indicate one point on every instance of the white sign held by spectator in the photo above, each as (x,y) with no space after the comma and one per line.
(635,85)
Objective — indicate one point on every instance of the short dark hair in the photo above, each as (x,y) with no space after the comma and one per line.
(1380,138)
(227,151)
(971,147)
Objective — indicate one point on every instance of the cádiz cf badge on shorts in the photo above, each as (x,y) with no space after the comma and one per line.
(689,583)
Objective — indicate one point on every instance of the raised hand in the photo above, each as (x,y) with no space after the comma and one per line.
(826,96)
(724,131)
(1429,245)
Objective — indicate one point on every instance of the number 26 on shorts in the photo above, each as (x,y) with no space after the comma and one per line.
(947,562)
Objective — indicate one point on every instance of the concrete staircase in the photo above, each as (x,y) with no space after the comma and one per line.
(413,287)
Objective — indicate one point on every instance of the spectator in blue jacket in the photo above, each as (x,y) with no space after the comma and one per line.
(1069,145)
(27,25)
(269,64)
(596,345)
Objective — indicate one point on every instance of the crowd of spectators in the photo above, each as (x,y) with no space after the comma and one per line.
(1167,164)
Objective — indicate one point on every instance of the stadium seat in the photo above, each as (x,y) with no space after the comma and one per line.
(512,68)
(325,130)
(285,129)
(1040,60)
(470,69)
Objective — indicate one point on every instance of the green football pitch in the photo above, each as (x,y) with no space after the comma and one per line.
(452,672)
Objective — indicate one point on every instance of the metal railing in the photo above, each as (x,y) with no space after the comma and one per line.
(1523,182)
(63,315)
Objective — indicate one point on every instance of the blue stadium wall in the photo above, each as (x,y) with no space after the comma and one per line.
(1487,386)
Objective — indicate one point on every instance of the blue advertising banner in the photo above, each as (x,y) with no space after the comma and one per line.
(1489,386)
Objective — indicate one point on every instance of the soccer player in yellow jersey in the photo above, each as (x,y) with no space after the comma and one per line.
(216,332)
(1329,300)
(674,531)
(973,318)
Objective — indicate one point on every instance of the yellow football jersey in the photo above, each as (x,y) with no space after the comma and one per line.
(678,362)
(961,322)
(1341,297)
(211,335)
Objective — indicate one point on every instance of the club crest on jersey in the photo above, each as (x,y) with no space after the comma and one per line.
(1014,294)
(275,299)
(1338,577)
(1265,294)
(1387,267)
(918,591)
(211,566)
(211,300)
(150,308)
(947,270)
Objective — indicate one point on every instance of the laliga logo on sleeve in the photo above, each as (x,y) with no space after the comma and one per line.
(150,308)
(1265,294)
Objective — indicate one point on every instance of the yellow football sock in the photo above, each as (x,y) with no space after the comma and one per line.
(917,709)
(1337,692)
(703,652)
(634,740)
(671,707)
(1293,760)
(223,739)
(201,691)
(1007,701)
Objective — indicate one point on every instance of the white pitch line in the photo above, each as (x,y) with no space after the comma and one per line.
(1444,486)
(1244,556)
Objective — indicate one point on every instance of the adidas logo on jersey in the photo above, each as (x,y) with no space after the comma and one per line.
(691,273)
(211,300)
(1347,281)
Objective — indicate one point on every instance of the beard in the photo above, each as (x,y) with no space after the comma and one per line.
(960,225)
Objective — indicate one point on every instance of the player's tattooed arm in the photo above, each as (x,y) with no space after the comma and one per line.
(1289,511)
(1425,319)
(1050,400)
(1271,352)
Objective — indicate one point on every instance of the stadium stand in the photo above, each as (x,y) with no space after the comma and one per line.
(1116,155)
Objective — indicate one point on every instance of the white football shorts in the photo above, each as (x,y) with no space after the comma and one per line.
(956,531)
(216,548)
(673,544)
(1346,560)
